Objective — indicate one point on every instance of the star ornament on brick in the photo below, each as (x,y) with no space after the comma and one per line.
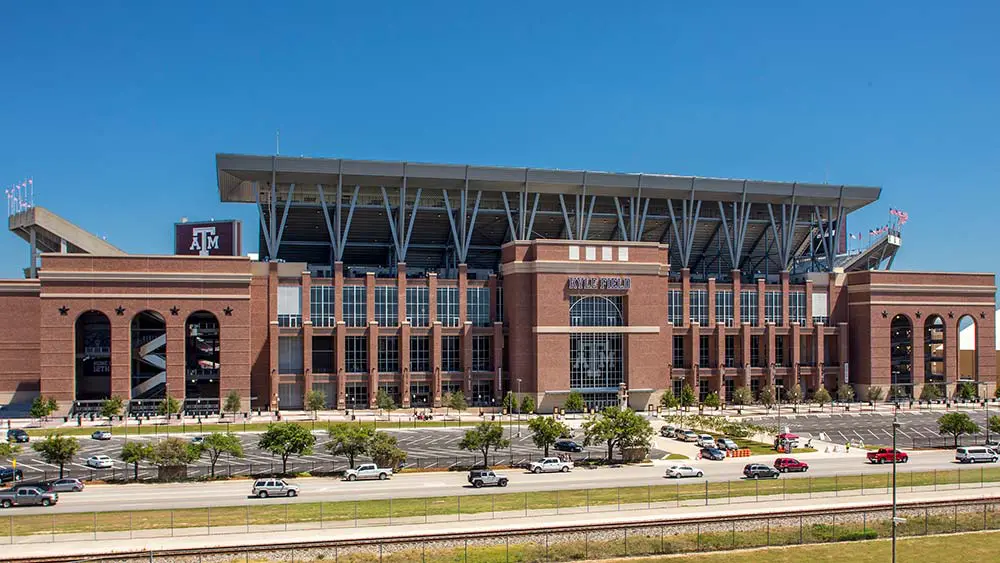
(951,314)
(982,314)
(885,314)
(63,311)
(174,310)
(918,314)
(119,310)
(228,311)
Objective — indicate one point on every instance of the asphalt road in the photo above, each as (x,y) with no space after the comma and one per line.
(236,492)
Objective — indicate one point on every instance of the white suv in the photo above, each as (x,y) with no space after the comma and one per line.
(264,488)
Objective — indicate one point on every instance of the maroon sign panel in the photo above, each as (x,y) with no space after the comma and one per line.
(212,238)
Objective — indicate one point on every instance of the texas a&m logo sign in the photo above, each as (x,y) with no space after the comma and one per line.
(213,238)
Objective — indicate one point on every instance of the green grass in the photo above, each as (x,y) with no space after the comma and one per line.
(760,448)
(677,456)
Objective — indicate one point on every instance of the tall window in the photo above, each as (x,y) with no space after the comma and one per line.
(447,306)
(797,307)
(290,354)
(482,347)
(477,305)
(499,303)
(675,307)
(699,306)
(321,305)
(420,353)
(387,305)
(355,305)
(779,350)
(724,307)
(730,352)
(678,351)
(820,308)
(595,311)
(322,355)
(934,350)
(289,306)
(356,354)
(755,350)
(450,354)
(417,306)
(772,307)
(388,354)
(704,352)
(748,306)
(595,357)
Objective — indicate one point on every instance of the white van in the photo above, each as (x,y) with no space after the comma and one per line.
(972,454)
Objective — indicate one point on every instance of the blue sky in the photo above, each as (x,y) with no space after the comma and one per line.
(116,109)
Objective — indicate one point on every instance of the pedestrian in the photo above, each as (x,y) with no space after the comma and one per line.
(848,447)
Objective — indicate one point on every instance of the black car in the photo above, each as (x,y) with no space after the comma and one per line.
(760,471)
(17,435)
(567,446)
(714,454)
(10,474)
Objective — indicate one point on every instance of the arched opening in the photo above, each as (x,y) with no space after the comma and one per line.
(934,354)
(93,357)
(901,356)
(149,356)
(968,351)
(596,358)
(201,356)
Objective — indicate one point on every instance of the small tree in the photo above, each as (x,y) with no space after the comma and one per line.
(966,391)
(845,393)
(315,401)
(234,403)
(930,392)
(545,431)
(687,396)
(574,402)
(668,400)
(42,407)
(527,404)
(956,424)
(617,428)
(112,407)
(821,397)
(9,450)
(712,400)
(794,395)
(171,452)
(482,438)
(994,424)
(508,402)
(169,406)
(876,394)
(384,401)
(134,453)
(385,452)
(457,401)
(766,396)
(742,396)
(285,439)
(218,443)
(57,449)
(349,440)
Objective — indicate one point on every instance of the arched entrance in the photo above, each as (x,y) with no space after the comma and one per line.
(149,356)
(968,351)
(596,358)
(934,353)
(93,357)
(901,356)
(201,356)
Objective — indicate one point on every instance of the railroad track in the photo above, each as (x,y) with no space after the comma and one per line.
(510,533)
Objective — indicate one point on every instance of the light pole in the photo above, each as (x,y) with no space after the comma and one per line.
(895,520)
(517,398)
(777,401)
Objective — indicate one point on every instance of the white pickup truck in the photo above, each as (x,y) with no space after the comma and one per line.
(368,471)
(550,465)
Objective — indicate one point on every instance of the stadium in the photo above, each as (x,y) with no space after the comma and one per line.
(423,280)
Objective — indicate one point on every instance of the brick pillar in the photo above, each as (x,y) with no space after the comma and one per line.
(745,352)
(272,312)
(340,345)
(401,290)
(950,352)
(404,364)
(466,344)
(463,284)
(493,286)
(819,351)
(711,302)
(176,368)
(784,298)
(686,298)
(720,357)
(338,290)
(809,304)
(121,355)
(668,333)
(498,360)
(761,291)
(693,349)
(795,347)
(736,297)
(843,349)
(372,362)
(769,351)
(307,333)
(436,362)
(432,297)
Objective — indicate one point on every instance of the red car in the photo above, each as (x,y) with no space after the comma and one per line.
(887,455)
(786,464)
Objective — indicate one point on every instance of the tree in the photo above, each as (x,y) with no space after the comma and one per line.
(482,438)
(742,396)
(617,428)
(316,400)
(574,402)
(509,402)
(135,452)
(875,394)
(794,395)
(112,407)
(994,424)
(57,450)
(218,443)
(385,452)
(930,392)
(284,439)
(9,450)
(171,452)
(668,400)
(545,431)
(42,407)
(527,404)
(169,406)
(687,396)
(821,397)
(384,401)
(349,440)
(966,391)
(845,393)
(956,424)
(712,400)
(233,403)
(766,396)
(456,401)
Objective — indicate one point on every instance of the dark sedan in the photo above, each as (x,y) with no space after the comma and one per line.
(10,474)
(714,454)
(568,446)
(17,435)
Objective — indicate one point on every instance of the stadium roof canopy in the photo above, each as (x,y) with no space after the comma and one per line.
(683,211)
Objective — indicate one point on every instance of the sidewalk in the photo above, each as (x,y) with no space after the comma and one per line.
(78,546)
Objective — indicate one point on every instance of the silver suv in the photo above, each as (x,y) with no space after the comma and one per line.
(264,488)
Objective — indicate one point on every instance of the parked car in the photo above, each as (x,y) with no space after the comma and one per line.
(568,446)
(714,454)
(17,435)
(884,455)
(759,470)
(264,488)
(687,436)
(705,441)
(29,496)
(678,471)
(550,465)
(487,477)
(10,474)
(972,454)
(43,485)
(65,485)
(668,431)
(726,444)
(368,471)
(993,445)
(786,464)
(101,435)
(198,440)
(100,461)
